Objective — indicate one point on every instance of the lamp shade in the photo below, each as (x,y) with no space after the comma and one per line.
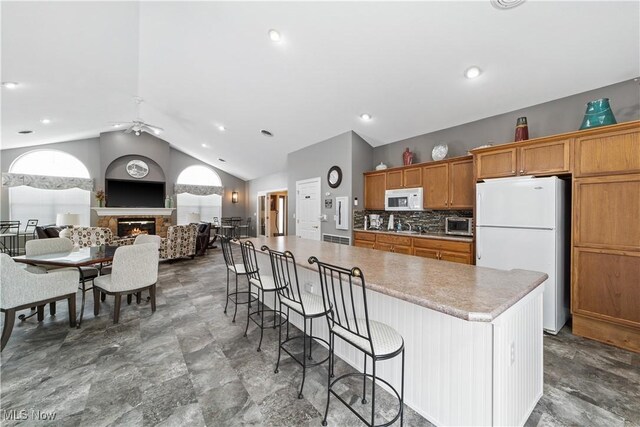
(234,197)
(67,219)
(193,218)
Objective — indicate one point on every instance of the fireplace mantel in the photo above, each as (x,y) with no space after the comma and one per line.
(133,211)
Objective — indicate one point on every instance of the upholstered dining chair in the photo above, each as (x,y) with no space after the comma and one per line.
(134,269)
(141,239)
(59,245)
(20,289)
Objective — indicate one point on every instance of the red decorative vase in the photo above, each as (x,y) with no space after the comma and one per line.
(522,130)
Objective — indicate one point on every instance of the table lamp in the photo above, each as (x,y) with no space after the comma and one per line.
(193,218)
(67,220)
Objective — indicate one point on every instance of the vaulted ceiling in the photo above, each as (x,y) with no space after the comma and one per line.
(200,65)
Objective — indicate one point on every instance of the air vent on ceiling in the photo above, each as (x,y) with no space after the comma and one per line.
(266,133)
(332,238)
(506,4)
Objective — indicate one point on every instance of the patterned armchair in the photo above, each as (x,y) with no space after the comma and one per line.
(180,242)
(90,236)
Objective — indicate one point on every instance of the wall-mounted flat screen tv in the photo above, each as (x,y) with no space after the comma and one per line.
(134,194)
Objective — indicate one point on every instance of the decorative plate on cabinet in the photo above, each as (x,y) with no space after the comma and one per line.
(439,151)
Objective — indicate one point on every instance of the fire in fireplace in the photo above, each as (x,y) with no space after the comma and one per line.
(130,227)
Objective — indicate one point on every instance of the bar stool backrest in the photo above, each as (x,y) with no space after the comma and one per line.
(285,276)
(250,260)
(10,227)
(31,223)
(344,296)
(227,252)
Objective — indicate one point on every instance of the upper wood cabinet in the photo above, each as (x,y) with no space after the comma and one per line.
(448,185)
(461,184)
(610,153)
(435,183)
(536,158)
(374,186)
(408,177)
(545,158)
(496,163)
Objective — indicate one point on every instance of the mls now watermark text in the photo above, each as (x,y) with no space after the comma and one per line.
(26,414)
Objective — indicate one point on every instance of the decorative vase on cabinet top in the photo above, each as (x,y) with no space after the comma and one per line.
(598,114)
(522,129)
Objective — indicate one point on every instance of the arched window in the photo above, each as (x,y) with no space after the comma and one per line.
(36,203)
(207,206)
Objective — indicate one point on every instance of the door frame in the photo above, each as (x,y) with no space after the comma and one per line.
(318,182)
(267,194)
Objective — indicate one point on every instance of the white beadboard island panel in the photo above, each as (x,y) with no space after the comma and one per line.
(457,371)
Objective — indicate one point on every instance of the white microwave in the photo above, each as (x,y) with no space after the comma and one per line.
(404,199)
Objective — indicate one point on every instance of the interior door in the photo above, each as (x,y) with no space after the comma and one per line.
(262,216)
(308,209)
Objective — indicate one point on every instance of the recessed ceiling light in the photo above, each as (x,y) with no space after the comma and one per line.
(472,72)
(204,145)
(156,131)
(222,128)
(506,4)
(266,133)
(222,160)
(116,125)
(10,85)
(365,116)
(274,35)
(25,132)
(45,121)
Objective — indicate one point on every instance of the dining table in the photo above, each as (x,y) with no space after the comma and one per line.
(94,256)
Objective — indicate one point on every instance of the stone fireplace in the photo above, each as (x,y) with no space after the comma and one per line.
(131,227)
(112,217)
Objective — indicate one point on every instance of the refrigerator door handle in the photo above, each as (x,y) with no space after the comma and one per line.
(478,249)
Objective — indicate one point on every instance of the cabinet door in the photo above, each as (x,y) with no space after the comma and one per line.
(374,187)
(425,253)
(364,244)
(607,212)
(459,257)
(383,246)
(461,184)
(363,235)
(605,285)
(435,184)
(412,177)
(546,158)
(607,154)
(400,249)
(394,179)
(496,163)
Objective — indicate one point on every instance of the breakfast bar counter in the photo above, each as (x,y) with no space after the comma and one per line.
(473,335)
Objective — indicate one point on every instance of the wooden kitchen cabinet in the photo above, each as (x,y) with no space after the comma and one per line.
(546,158)
(461,184)
(611,153)
(435,183)
(441,249)
(408,177)
(375,184)
(496,163)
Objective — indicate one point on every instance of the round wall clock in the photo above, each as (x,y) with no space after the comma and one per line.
(137,169)
(334,177)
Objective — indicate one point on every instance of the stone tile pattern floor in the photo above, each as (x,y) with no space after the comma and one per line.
(188,364)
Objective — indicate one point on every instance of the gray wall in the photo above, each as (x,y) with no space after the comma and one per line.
(361,161)
(558,116)
(115,149)
(276,181)
(315,161)
(83,149)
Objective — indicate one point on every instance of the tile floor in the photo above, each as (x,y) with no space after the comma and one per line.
(188,364)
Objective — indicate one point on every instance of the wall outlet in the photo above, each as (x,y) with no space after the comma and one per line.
(512,351)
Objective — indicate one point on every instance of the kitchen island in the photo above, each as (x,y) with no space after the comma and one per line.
(473,336)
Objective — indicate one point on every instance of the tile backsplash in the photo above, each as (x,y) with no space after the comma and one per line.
(429,221)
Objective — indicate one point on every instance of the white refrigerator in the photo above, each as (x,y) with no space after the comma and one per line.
(521,223)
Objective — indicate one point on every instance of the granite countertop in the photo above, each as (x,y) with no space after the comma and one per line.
(442,236)
(477,294)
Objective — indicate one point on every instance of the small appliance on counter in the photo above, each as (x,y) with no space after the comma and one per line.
(390,226)
(458,226)
(375,222)
(404,199)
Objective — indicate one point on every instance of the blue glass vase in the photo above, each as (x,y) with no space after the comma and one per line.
(598,114)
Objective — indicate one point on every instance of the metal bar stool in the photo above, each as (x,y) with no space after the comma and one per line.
(341,290)
(237,270)
(307,305)
(264,283)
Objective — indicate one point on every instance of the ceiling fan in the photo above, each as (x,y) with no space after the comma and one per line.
(138,125)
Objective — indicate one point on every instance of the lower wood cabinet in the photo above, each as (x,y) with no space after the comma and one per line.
(442,249)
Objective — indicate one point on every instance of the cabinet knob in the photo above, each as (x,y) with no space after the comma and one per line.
(513,171)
